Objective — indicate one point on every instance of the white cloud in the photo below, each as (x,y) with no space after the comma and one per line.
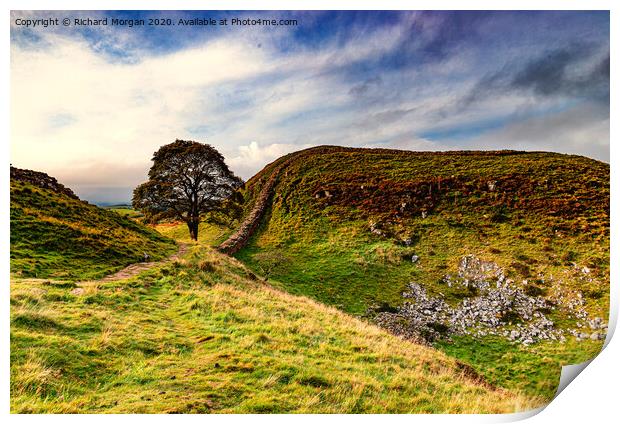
(92,122)
(579,130)
(253,156)
(120,113)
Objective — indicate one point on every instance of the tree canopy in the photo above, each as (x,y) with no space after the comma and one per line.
(187,180)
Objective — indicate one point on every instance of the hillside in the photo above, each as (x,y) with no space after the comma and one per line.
(364,281)
(56,235)
(202,335)
(494,257)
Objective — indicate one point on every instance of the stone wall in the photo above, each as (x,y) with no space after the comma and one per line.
(240,237)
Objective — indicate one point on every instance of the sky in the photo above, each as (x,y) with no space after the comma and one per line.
(91,104)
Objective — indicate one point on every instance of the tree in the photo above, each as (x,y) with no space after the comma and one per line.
(187,180)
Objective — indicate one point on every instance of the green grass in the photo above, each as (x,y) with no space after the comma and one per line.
(210,234)
(200,335)
(534,370)
(55,236)
(124,210)
(327,251)
(547,213)
(351,274)
(206,334)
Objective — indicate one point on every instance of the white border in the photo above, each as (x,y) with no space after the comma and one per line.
(591,398)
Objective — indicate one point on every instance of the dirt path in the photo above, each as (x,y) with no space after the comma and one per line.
(134,269)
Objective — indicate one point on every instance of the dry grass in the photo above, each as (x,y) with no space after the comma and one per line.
(179,339)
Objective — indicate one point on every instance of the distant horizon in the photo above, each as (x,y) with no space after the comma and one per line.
(90,104)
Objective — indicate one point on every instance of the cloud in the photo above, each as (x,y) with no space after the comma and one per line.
(582,130)
(574,70)
(106,174)
(449,30)
(409,142)
(70,105)
(361,89)
(253,156)
(547,75)
(91,107)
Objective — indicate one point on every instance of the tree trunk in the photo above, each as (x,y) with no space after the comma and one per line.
(192,225)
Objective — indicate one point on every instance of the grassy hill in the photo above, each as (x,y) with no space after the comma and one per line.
(208,233)
(353,227)
(56,235)
(203,335)
(125,210)
(344,235)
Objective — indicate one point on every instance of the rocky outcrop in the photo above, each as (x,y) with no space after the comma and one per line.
(41,179)
(498,307)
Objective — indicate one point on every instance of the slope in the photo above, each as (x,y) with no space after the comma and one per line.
(354,228)
(56,235)
(202,335)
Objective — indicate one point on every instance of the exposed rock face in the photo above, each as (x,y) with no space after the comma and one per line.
(41,179)
(499,308)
